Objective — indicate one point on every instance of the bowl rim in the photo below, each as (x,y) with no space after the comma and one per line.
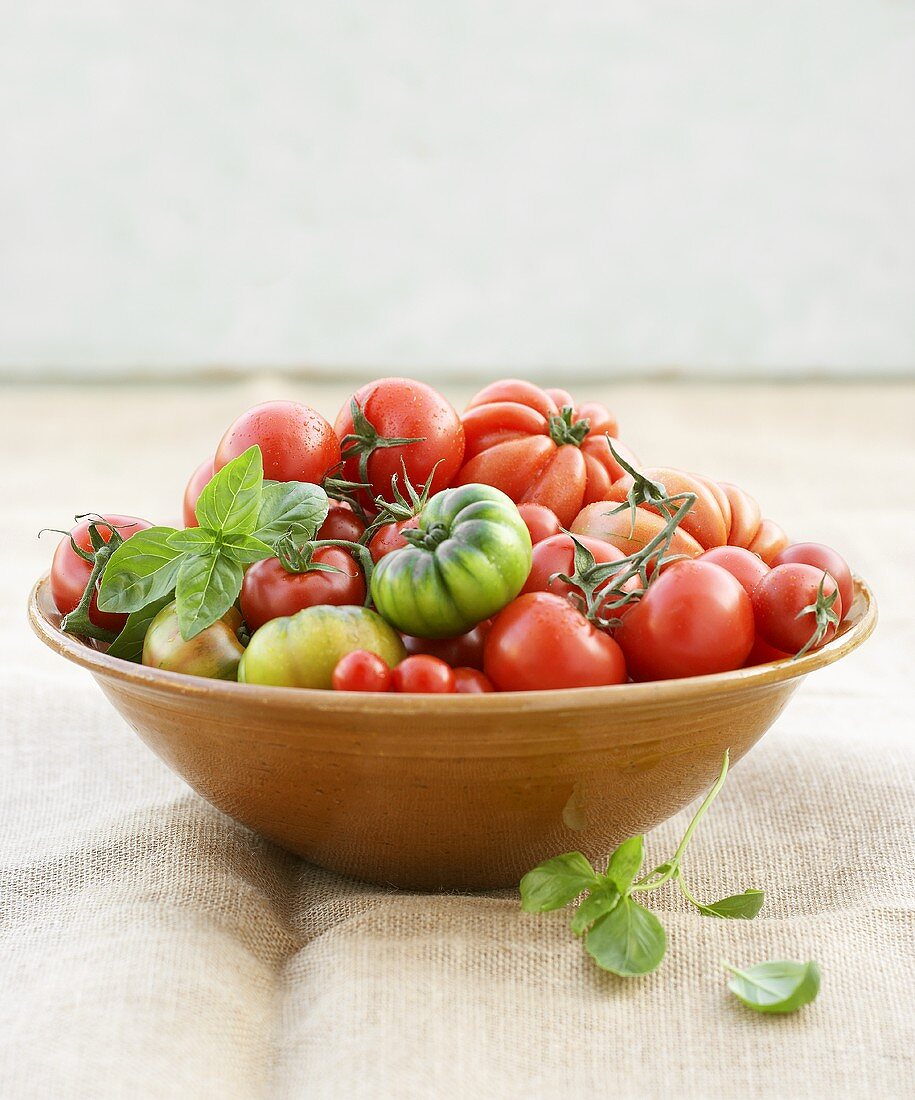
(855,630)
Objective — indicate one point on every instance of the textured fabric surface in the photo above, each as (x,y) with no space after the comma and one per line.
(151,947)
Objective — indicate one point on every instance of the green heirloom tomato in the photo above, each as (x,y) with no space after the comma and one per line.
(468,557)
(214,652)
(302,650)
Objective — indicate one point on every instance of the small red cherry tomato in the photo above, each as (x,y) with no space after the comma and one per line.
(465,649)
(195,487)
(70,573)
(270,591)
(341,523)
(389,537)
(557,555)
(742,564)
(424,675)
(695,619)
(361,671)
(541,522)
(790,611)
(297,443)
(823,557)
(470,681)
(539,641)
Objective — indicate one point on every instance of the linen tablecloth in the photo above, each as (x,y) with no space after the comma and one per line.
(152,947)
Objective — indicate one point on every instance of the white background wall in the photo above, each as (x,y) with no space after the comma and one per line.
(461,185)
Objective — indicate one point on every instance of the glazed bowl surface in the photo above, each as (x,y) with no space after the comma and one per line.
(464,792)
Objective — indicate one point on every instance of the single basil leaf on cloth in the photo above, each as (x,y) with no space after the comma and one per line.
(244,548)
(231,500)
(194,540)
(629,940)
(208,585)
(625,863)
(128,645)
(554,883)
(600,901)
(778,986)
(142,569)
(293,507)
(743,906)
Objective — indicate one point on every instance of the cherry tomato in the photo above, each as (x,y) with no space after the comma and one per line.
(465,649)
(399,408)
(195,487)
(341,523)
(520,441)
(389,537)
(297,443)
(780,603)
(541,522)
(763,654)
(694,619)
(270,591)
(424,675)
(557,555)
(823,557)
(70,573)
(740,563)
(361,670)
(540,641)
(470,681)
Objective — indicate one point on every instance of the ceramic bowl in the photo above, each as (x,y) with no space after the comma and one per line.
(462,792)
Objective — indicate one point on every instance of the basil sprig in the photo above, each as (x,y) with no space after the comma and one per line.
(621,935)
(241,519)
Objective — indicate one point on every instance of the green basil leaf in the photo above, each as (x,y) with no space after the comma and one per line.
(142,569)
(600,901)
(231,500)
(553,884)
(245,548)
(194,540)
(625,863)
(208,585)
(128,645)
(628,941)
(777,986)
(743,906)
(291,506)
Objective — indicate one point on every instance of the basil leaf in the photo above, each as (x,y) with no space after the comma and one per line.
(194,540)
(628,941)
(208,585)
(231,500)
(743,906)
(777,986)
(142,569)
(245,548)
(291,506)
(600,901)
(625,863)
(128,645)
(556,882)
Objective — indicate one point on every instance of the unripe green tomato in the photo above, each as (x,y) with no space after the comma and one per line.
(468,557)
(302,650)
(214,652)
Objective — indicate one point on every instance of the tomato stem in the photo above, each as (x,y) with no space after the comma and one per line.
(364,440)
(564,430)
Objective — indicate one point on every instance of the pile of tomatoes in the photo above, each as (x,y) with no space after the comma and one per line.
(517,546)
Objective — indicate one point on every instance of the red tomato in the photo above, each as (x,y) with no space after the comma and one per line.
(557,555)
(539,641)
(399,408)
(740,563)
(269,591)
(470,681)
(297,443)
(341,523)
(361,671)
(195,487)
(519,440)
(780,601)
(627,532)
(823,557)
(694,619)
(763,654)
(70,574)
(541,522)
(465,649)
(424,675)
(706,521)
(768,541)
(389,537)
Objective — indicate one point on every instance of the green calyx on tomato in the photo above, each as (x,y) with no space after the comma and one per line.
(564,429)
(468,556)
(302,650)
(364,440)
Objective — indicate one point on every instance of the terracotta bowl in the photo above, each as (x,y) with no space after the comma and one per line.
(459,792)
